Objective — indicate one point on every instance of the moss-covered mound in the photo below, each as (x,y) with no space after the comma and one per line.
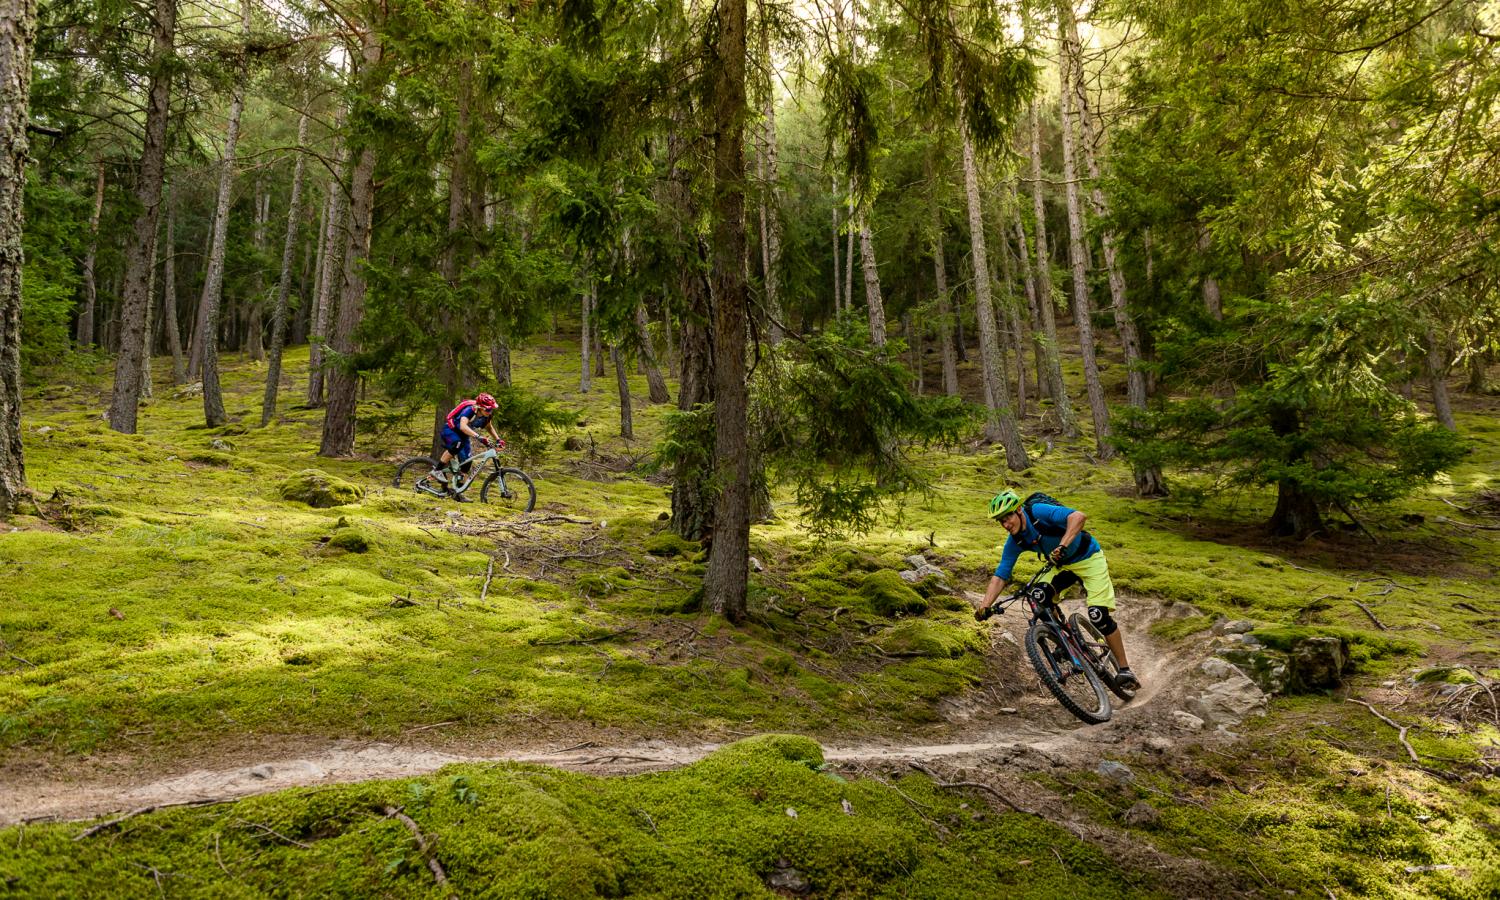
(320,490)
(890,596)
(930,639)
(668,544)
(746,821)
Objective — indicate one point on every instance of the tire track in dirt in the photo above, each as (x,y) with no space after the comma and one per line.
(1040,726)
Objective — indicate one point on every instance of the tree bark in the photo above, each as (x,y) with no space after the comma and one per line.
(1212,298)
(284,286)
(213,284)
(726,581)
(1000,422)
(1057,388)
(838,285)
(343,381)
(330,281)
(17,36)
(138,262)
(500,360)
(849,228)
(1437,378)
(169,295)
(655,383)
(149,330)
(1038,339)
(875,306)
(622,387)
(85,336)
(586,344)
(1009,325)
(770,220)
(1076,237)
(255,326)
(944,307)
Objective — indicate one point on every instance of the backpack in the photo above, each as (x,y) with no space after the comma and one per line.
(1035,497)
(453,415)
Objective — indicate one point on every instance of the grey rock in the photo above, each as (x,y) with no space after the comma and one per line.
(1181,611)
(909,576)
(927,570)
(221,445)
(916,560)
(1141,815)
(1115,771)
(1229,701)
(1158,744)
(1271,670)
(1184,719)
(1236,626)
(1318,662)
(755,565)
(262,772)
(1244,640)
(1219,669)
(786,878)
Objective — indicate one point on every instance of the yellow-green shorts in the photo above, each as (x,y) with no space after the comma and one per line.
(1094,573)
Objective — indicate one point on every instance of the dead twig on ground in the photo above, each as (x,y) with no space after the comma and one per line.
(489,574)
(618,757)
(1371,613)
(424,847)
(1447,521)
(429,727)
(102,826)
(1403,729)
(593,640)
(274,833)
(978,786)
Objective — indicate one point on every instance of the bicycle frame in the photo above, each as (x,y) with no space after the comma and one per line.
(475,466)
(1049,613)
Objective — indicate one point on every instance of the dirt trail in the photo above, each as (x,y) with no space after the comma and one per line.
(1037,726)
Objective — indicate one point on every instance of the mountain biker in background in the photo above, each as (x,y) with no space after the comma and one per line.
(461,425)
(1056,532)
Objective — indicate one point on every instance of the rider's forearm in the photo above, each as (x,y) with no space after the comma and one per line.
(1075,527)
(997,584)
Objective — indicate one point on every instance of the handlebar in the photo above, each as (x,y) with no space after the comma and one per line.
(1000,604)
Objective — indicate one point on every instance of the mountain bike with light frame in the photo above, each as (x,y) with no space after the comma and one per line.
(504,486)
(1069,654)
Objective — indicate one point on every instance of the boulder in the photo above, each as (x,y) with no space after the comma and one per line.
(889,595)
(1318,662)
(1271,670)
(916,560)
(1184,719)
(1235,626)
(1229,701)
(1141,815)
(1180,610)
(1115,771)
(320,490)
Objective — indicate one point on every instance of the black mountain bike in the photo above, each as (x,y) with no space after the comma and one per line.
(1069,654)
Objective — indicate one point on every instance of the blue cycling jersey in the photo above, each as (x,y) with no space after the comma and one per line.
(1045,526)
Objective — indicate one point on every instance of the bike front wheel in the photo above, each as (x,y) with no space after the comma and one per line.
(416,474)
(1074,685)
(1104,661)
(511,489)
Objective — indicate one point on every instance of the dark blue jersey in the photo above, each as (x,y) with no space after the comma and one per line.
(1045,526)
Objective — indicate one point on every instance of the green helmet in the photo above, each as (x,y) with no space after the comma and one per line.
(1005,503)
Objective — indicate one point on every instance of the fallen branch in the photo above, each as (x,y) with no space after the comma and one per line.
(274,833)
(423,847)
(1470,607)
(1403,729)
(433,725)
(617,757)
(1447,521)
(489,573)
(102,826)
(593,640)
(954,785)
(1371,613)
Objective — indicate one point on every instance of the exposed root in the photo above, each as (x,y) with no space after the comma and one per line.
(424,847)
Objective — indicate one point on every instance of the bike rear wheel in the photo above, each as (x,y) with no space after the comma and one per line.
(1075,686)
(416,474)
(511,489)
(1104,661)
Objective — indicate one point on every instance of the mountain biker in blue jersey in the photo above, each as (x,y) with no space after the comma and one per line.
(459,427)
(1056,532)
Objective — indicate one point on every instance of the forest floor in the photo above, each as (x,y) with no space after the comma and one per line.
(176,632)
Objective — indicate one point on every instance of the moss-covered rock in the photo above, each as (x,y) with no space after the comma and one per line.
(890,596)
(668,544)
(349,540)
(320,490)
(1271,670)
(929,639)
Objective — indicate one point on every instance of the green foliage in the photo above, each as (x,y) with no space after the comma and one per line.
(50,282)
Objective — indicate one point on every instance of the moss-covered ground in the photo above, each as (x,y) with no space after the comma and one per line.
(166,595)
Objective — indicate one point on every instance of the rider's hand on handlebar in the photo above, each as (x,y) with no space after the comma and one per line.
(1057,553)
(984,612)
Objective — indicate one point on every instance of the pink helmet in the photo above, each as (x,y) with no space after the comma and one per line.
(485,402)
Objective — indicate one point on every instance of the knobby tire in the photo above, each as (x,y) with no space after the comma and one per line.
(1105,665)
(522,491)
(1048,654)
(412,472)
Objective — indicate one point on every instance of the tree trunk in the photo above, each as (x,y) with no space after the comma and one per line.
(914,349)
(669,356)
(284,286)
(1009,324)
(1437,377)
(944,307)
(1000,423)
(1476,383)
(873,302)
(343,381)
(213,284)
(330,282)
(838,285)
(656,384)
(17,36)
(138,261)
(1076,237)
(770,221)
(149,331)
(255,326)
(85,336)
(586,343)
(1296,513)
(169,295)
(726,580)
(500,360)
(1038,339)
(849,229)
(1212,300)
(622,387)
(1057,387)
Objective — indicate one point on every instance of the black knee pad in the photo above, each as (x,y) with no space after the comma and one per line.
(1103,621)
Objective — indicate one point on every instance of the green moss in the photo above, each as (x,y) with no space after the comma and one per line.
(931,639)
(320,490)
(669,544)
(1364,646)
(1174,629)
(889,596)
(350,540)
(1445,675)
